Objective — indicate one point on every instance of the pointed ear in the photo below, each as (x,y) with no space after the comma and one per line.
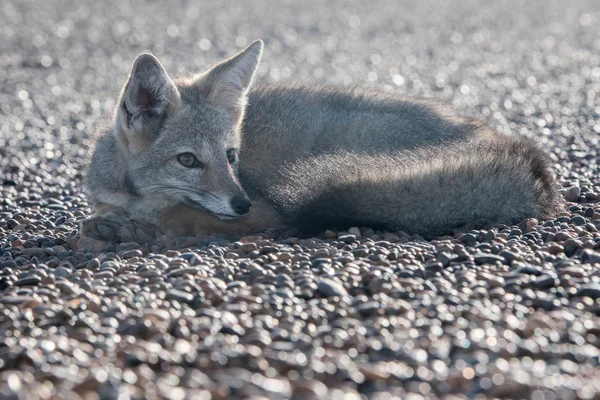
(147,97)
(228,82)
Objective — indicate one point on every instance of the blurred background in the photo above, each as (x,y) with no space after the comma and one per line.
(62,63)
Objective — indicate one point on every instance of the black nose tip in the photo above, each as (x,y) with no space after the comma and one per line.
(241,205)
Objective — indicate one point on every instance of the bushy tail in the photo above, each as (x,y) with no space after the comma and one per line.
(428,191)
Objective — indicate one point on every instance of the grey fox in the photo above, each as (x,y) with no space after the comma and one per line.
(214,154)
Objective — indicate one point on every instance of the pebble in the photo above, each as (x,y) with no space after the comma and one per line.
(572,194)
(485,258)
(590,290)
(529,270)
(28,281)
(469,238)
(179,295)
(590,256)
(330,288)
(62,272)
(545,281)
(130,254)
(347,238)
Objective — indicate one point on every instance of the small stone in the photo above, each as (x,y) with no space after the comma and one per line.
(256,270)
(485,258)
(309,389)
(286,293)
(184,271)
(468,238)
(489,236)
(573,271)
(545,282)
(128,246)
(179,295)
(572,194)
(268,250)
(592,197)
(360,253)
(28,281)
(530,270)
(11,300)
(555,249)
(62,271)
(93,265)
(446,258)
(58,249)
(105,274)
(159,314)
(375,372)
(191,258)
(590,290)
(562,236)
(370,308)
(590,256)
(347,238)
(330,288)
(130,254)
(14,383)
(509,255)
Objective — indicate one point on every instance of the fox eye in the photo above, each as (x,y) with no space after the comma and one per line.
(189,160)
(231,156)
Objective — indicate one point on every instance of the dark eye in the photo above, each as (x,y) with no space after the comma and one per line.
(189,160)
(231,156)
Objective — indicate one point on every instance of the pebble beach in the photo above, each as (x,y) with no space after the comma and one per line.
(501,312)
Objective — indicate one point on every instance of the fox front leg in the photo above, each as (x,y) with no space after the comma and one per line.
(113,224)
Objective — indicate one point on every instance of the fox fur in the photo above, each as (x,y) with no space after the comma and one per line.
(216,154)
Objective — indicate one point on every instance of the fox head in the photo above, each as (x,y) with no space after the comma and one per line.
(182,137)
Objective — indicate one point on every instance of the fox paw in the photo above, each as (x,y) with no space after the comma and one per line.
(118,229)
(137,231)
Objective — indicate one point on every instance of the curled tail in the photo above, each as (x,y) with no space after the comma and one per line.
(428,191)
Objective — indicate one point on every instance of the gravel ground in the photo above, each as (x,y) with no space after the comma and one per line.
(509,312)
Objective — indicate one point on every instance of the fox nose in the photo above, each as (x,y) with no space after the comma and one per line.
(241,205)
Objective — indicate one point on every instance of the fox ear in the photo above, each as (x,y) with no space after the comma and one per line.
(230,80)
(147,97)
